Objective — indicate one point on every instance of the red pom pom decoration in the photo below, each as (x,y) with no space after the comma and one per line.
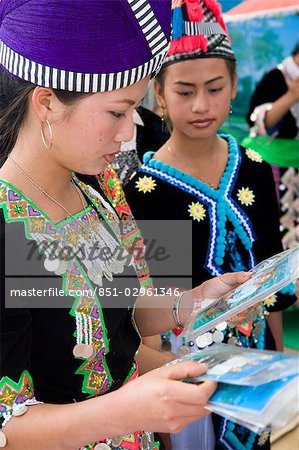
(187,44)
(195,12)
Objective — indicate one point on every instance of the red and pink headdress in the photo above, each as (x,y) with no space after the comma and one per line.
(198,31)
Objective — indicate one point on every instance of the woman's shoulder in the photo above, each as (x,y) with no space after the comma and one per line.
(256,174)
(256,170)
(254,160)
(247,158)
(154,177)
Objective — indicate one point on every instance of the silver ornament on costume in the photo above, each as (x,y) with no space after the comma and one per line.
(218,336)
(102,446)
(97,268)
(77,350)
(116,441)
(116,266)
(108,274)
(83,351)
(88,351)
(51,264)
(222,326)
(3,440)
(62,268)
(91,273)
(146,444)
(98,279)
(209,338)
(202,341)
(19,410)
(184,350)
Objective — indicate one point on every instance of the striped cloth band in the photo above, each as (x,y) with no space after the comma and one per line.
(218,47)
(46,76)
(204,28)
(150,26)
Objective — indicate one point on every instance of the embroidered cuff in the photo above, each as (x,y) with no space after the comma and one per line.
(14,400)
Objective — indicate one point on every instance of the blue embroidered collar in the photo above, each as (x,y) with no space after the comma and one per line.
(222,206)
(233,152)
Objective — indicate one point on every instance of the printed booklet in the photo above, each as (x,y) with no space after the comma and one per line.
(256,388)
(268,277)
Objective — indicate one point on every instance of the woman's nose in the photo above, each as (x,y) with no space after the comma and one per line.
(200,104)
(127,131)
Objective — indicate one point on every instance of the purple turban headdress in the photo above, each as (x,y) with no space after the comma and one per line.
(83,45)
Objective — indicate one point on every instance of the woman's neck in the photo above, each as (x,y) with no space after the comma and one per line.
(24,164)
(195,149)
(204,159)
(40,178)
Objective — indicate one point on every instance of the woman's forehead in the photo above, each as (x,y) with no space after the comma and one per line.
(129,95)
(198,70)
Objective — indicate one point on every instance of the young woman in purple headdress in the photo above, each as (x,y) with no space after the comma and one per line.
(71,74)
(228,193)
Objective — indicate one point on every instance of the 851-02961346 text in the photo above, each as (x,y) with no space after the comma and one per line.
(101,291)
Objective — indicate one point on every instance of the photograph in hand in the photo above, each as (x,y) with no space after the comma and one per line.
(268,277)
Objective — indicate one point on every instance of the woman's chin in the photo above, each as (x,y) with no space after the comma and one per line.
(94,170)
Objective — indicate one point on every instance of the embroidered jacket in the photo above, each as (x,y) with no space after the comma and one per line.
(38,333)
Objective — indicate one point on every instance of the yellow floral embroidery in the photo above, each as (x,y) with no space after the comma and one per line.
(8,396)
(3,194)
(263,438)
(145,184)
(37,225)
(197,211)
(72,237)
(253,155)
(246,196)
(97,379)
(270,301)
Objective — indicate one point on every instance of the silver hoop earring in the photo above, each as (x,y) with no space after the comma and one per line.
(48,146)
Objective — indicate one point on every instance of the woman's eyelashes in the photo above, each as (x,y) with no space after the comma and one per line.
(118,115)
(213,90)
(189,93)
(184,93)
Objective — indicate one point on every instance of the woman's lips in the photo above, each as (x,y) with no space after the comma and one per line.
(202,123)
(110,158)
